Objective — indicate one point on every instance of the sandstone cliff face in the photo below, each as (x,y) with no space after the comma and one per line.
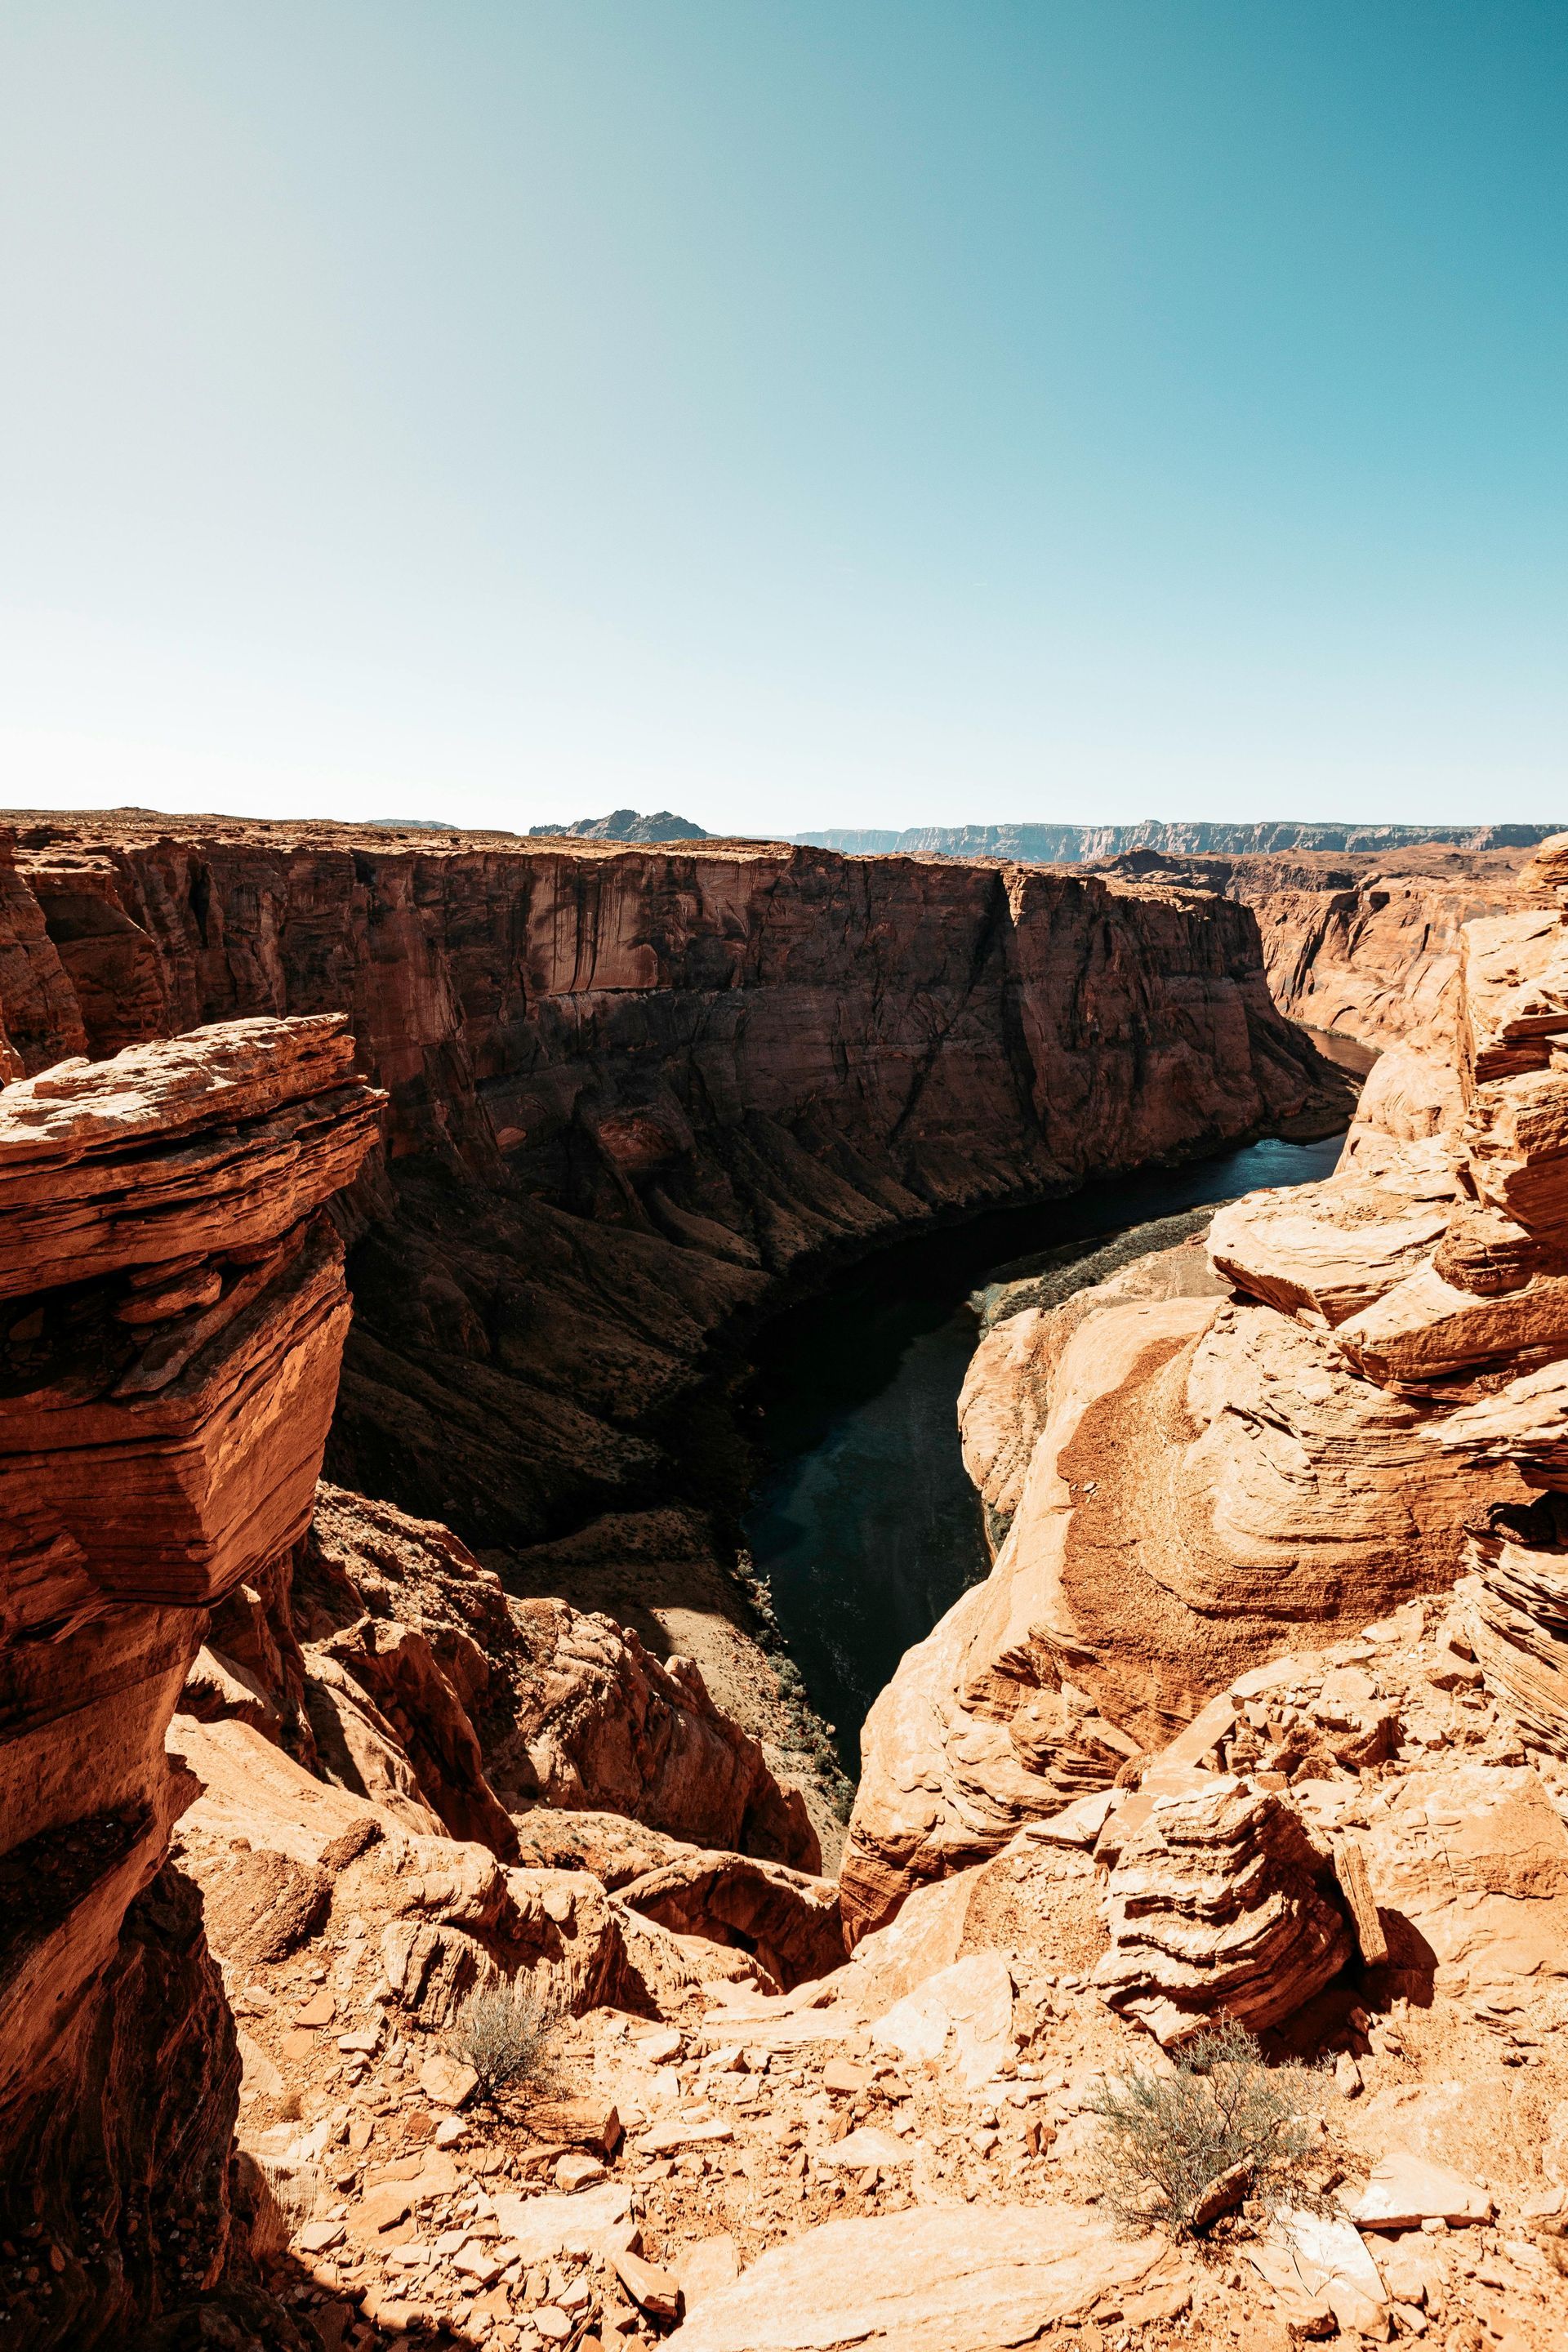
(175,1311)
(1363,948)
(631,1090)
(1208,1477)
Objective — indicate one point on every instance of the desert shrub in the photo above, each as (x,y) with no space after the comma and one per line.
(500,2033)
(1183,2147)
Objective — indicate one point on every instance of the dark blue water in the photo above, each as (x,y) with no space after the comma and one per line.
(864,1522)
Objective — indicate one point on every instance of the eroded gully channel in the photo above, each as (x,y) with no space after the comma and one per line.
(863,1521)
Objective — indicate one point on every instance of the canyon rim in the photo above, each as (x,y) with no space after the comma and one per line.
(388,1218)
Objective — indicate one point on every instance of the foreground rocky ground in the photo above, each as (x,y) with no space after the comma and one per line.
(781,2168)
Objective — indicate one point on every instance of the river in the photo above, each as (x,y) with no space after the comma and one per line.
(863,1521)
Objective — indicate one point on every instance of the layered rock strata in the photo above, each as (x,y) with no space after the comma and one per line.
(1209,1476)
(629,1087)
(1363,948)
(1216,1907)
(174,1316)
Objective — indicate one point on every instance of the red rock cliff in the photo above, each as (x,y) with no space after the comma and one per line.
(1358,947)
(174,1308)
(630,1089)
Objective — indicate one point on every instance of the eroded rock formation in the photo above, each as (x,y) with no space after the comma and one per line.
(1216,1909)
(1365,947)
(632,1091)
(1207,1476)
(174,1315)
(391,1662)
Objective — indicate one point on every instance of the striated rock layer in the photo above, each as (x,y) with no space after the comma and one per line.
(1190,1484)
(632,1089)
(1366,947)
(174,1312)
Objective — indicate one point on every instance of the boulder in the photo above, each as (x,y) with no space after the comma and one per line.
(1404,2190)
(789,1920)
(592,2220)
(963,2013)
(1218,1908)
(1474,1857)
(935,2279)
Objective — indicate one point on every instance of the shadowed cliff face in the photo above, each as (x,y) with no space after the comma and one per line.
(1365,947)
(631,1089)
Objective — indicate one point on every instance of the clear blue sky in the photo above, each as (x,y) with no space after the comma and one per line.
(816,413)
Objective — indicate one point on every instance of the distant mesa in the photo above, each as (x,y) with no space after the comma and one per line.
(626,825)
(411,825)
(1080,845)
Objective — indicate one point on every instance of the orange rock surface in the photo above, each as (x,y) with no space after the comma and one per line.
(149,1461)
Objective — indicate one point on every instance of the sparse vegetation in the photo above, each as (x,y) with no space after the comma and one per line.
(500,2033)
(1182,2149)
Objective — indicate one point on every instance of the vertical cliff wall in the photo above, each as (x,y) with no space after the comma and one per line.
(1364,948)
(1360,1397)
(173,1309)
(630,1090)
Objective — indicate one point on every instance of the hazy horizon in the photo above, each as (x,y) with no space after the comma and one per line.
(790,417)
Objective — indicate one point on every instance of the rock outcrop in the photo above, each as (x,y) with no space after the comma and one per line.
(1206,1478)
(943,2282)
(1214,1908)
(174,1317)
(391,1663)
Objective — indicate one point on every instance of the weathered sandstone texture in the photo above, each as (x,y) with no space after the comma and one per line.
(630,1086)
(1364,948)
(634,1090)
(1187,1482)
(903,2150)
(1215,1905)
(390,1661)
(174,1312)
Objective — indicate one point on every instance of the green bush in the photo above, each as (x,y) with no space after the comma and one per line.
(1181,2149)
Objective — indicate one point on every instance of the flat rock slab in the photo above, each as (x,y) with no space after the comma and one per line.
(935,2279)
(665,2138)
(869,2145)
(706,2267)
(1077,1824)
(540,2228)
(1318,2261)
(778,2032)
(1403,2190)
